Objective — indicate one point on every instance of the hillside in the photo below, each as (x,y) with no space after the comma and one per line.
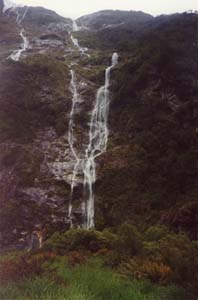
(113,18)
(98,134)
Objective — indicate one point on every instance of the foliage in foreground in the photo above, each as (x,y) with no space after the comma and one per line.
(155,255)
(85,282)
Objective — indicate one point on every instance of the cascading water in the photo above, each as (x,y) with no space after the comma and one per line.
(24,46)
(13,7)
(75,26)
(75,42)
(73,88)
(98,138)
(20,19)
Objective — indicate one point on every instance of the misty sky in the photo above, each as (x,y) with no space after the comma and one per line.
(76,8)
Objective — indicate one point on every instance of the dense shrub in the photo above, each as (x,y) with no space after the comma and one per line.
(79,239)
(175,251)
(180,254)
(129,240)
(155,233)
(112,259)
(146,269)
(77,257)
(158,255)
(24,266)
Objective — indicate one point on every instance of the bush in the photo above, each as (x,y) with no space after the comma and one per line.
(155,233)
(145,269)
(180,254)
(77,258)
(156,272)
(112,259)
(80,239)
(24,266)
(160,255)
(175,251)
(129,241)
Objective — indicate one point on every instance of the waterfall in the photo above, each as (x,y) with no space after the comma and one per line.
(75,42)
(98,138)
(73,88)
(12,7)
(16,54)
(19,20)
(75,26)
(24,46)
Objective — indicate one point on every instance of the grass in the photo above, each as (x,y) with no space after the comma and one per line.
(35,289)
(85,282)
(104,284)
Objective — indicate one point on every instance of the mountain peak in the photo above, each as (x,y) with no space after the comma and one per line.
(103,18)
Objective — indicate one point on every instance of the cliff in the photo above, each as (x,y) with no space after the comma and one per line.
(148,174)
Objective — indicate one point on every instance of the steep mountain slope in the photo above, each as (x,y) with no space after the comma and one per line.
(34,101)
(113,18)
(150,168)
(148,174)
(153,121)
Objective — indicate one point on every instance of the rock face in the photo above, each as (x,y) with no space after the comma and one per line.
(148,169)
(36,159)
(32,145)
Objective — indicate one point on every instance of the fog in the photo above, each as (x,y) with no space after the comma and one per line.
(76,8)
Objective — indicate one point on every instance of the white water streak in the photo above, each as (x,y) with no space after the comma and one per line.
(75,42)
(75,26)
(73,88)
(13,7)
(98,138)
(19,20)
(24,46)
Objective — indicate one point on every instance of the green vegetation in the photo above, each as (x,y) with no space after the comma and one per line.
(90,281)
(40,95)
(145,246)
(153,122)
(156,254)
